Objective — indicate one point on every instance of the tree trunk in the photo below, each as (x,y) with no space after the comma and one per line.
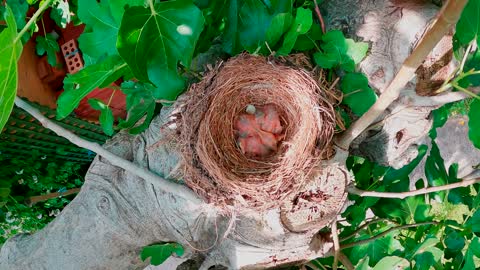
(116,213)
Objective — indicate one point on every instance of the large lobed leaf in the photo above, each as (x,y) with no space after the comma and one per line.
(468,26)
(102,20)
(154,40)
(10,50)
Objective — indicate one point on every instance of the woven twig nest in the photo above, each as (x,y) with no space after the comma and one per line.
(216,166)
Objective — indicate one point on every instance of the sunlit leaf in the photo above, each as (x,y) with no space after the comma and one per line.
(158,253)
(154,40)
(106,116)
(10,51)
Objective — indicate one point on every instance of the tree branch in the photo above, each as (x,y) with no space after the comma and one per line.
(336,245)
(35,199)
(320,17)
(167,186)
(345,261)
(446,18)
(380,235)
(44,5)
(402,195)
(374,221)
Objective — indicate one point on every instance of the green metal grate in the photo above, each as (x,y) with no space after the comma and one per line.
(22,133)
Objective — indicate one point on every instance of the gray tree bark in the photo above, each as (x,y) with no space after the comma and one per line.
(117,213)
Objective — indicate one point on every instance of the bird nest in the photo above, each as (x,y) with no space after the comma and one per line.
(220,164)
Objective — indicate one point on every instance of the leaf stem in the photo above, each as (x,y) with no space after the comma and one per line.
(380,235)
(45,4)
(464,59)
(111,97)
(458,87)
(320,17)
(403,195)
(152,7)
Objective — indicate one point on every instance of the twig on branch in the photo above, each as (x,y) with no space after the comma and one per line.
(320,17)
(403,195)
(345,261)
(374,221)
(167,186)
(336,245)
(380,235)
(447,17)
(35,199)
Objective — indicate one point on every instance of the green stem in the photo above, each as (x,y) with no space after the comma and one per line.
(43,26)
(152,7)
(458,87)
(464,59)
(380,235)
(32,20)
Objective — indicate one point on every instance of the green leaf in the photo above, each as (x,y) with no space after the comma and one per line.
(140,102)
(253,25)
(19,9)
(454,240)
(153,41)
(474,123)
(327,60)
(4,192)
(440,117)
(231,43)
(279,25)
(392,262)
(473,250)
(80,84)
(100,35)
(474,222)
(376,250)
(160,252)
(398,180)
(48,45)
(358,95)
(337,51)
(60,13)
(106,116)
(118,8)
(468,26)
(307,41)
(473,62)
(435,171)
(301,25)
(363,264)
(356,50)
(423,247)
(10,51)
(427,259)
(409,210)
